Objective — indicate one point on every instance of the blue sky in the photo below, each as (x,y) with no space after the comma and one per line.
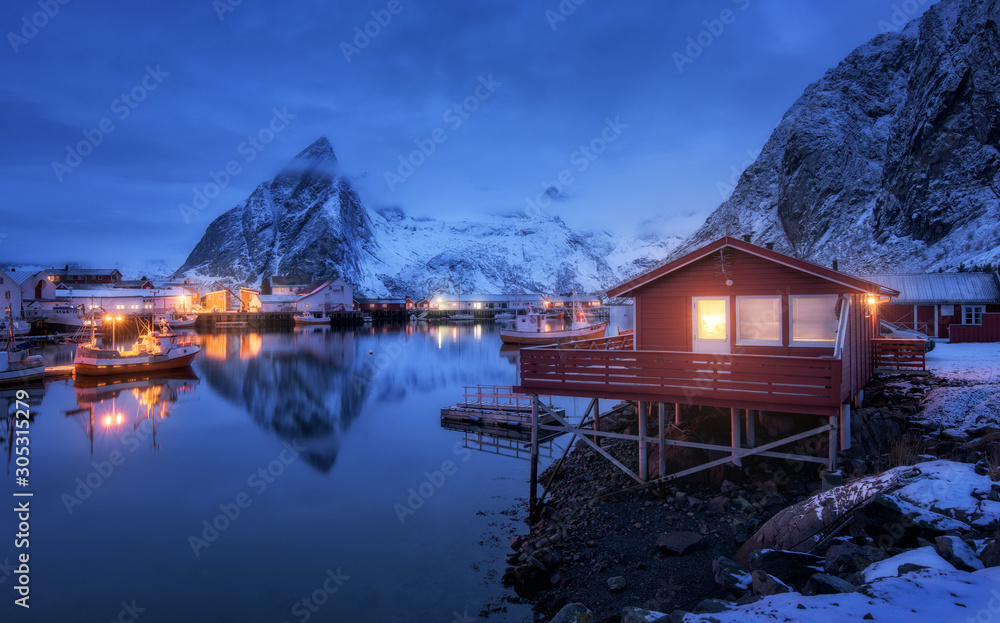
(114,113)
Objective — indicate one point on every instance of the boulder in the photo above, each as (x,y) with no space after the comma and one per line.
(765,584)
(847,557)
(641,615)
(990,556)
(792,568)
(957,552)
(573,613)
(711,606)
(826,584)
(731,575)
(617,584)
(677,543)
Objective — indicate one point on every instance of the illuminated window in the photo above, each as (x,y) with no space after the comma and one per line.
(814,320)
(758,320)
(972,314)
(712,319)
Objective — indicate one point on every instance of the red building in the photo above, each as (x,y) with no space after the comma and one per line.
(960,307)
(84,276)
(385,304)
(731,325)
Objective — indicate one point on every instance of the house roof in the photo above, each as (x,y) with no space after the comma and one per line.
(62,272)
(937,288)
(627,288)
(278,298)
(318,285)
(290,280)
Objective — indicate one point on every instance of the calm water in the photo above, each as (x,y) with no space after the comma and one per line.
(288,467)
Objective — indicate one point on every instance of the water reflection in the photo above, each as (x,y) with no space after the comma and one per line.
(8,412)
(115,406)
(302,387)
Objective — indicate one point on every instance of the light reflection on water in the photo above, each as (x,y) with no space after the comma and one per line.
(323,435)
(279,459)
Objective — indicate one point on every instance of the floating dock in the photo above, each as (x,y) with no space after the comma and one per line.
(493,406)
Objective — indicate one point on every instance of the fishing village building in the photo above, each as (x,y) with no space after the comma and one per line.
(731,326)
(959,307)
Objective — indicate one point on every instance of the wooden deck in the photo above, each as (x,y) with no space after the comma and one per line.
(769,383)
(899,355)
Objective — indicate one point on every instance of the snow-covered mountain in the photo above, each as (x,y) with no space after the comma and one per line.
(890,161)
(310,220)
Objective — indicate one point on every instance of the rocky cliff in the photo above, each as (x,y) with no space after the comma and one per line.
(890,161)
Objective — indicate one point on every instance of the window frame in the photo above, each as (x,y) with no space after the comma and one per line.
(977,314)
(741,341)
(792,342)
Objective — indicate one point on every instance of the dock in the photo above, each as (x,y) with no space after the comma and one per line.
(493,406)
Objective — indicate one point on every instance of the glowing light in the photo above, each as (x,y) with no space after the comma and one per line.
(872,300)
(107,420)
(712,319)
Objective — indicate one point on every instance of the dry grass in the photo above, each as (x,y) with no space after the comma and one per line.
(905,451)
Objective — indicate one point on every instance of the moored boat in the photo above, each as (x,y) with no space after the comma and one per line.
(531,329)
(153,351)
(314,317)
(17,365)
(179,321)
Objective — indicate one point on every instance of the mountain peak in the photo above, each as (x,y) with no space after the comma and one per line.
(320,153)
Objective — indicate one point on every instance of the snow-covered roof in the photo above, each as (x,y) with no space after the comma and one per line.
(490,298)
(112,293)
(278,298)
(937,288)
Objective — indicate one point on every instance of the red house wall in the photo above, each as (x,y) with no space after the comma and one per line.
(664,308)
(989,331)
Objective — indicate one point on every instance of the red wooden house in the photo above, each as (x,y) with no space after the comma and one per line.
(730,325)
(960,307)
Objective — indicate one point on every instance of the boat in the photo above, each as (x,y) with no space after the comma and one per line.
(313,317)
(153,351)
(179,321)
(461,317)
(531,329)
(504,316)
(21,327)
(17,365)
(71,319)
(366,318)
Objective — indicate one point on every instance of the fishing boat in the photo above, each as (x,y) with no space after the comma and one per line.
(17,365)
(313,317)
(461,317)
(71,319)
(152,352)
(531,329)
(179,321)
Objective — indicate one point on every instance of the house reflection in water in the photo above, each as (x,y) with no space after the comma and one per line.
(129,405)
(305,387)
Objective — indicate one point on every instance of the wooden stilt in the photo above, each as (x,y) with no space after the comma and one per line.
(643,457)
(534,456)
(834,436)
(597,417)
(751,428)
(734,415)
(845,426)
(677,414)
(661,436)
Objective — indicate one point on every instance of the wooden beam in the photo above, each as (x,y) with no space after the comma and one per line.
(834,437)
(734,418)
(677,414)
(534,456)
(643,446)
(751,428)
(661,437)
(582,434)
(845,426)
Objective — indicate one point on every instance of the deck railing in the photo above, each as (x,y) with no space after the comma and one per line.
(899,354)
(774,383)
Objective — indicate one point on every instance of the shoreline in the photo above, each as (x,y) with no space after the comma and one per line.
(635,549)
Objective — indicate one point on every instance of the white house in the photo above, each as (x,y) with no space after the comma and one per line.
(273,302)
(10,296)
(38,286)
(130,301)
(327,295)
